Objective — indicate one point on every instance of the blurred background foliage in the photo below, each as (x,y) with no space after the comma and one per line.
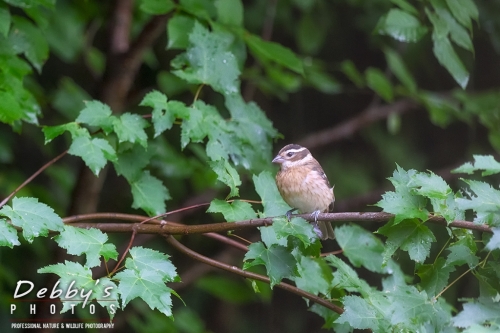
(371,96)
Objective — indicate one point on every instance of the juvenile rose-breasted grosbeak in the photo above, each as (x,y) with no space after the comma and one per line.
(304,186)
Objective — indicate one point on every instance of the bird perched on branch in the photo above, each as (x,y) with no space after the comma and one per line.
(304,186)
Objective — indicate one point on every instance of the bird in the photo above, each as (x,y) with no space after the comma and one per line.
(304,186)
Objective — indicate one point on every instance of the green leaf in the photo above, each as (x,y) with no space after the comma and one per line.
(146,285)
(277,259)
(193,127)
(446,55)
(361,247)
(157,7)
(10,109)
(310,34)
(464,11)
(232,211)
(346,278)
(350,70)
(485,202)
(131,163)
(494,242)
(481,162)
(483,311)
(228,175)
(488,277)
(52,132)
(317,77)
(203,9)
(69,98)
(287,80)
(267,51)
(149,194)
(4,20)
(434,277)
(27,4)
(164,113)
(410,305)
(209,61)
(448,208)
(62,26)
(296,227)
(457,32)
(94,152)
(251,129)
(269,237)
(97,114)
(35,218)
(409,235)
(27,39)
(404,205)
(91,242)
(229,12)
(265,186)
(406,6)
(75,277)
(314,275)
(430,185)
(377,81)
(358,313)
(144,259)
(176,31)
(463,252)
(328,316)
(130,128)
(440,107)
(8,234)
(399,69)
(404,202)
(402,26)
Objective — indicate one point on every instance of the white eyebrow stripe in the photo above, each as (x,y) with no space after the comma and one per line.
(295,150)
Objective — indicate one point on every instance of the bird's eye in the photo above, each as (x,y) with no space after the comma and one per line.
(289,154)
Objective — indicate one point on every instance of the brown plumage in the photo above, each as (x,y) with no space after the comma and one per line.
(304,186)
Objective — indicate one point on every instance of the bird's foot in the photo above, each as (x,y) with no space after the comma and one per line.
(315,215)
(317,231)
(316,227)
(289,213)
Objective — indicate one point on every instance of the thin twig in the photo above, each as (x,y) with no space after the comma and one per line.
(33,176)
(250,275)
(117,266)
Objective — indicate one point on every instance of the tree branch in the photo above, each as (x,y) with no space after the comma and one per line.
(33,176)
(122,67)
(351,126)
(172,228)
(250,275)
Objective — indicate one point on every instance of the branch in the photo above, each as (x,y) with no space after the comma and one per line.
(122,67)
(351,126)
(33,176)
(120,26)
(250,275)
(172,228)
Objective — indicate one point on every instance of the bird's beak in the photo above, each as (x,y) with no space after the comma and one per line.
(278,159)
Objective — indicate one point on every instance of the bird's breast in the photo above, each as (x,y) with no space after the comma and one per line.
(305,190)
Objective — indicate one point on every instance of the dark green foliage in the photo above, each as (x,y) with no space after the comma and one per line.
(193,131)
